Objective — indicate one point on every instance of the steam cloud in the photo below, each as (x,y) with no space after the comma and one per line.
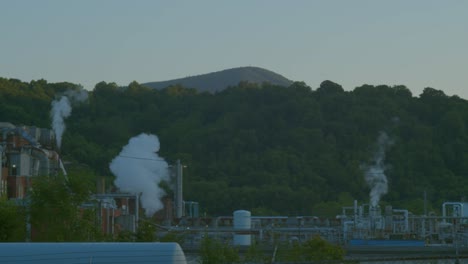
(375,173)
(139,169)
(77,95)
(61,109)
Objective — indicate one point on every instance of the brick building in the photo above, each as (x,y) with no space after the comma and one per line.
(25,152)
(28,151)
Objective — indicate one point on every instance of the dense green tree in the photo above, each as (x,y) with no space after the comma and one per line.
(213,251)
(146,231)
(313,250)
(12,222)
(318,249)
(271,149)
(56,211)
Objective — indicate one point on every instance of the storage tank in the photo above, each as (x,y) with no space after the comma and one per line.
(64,253)
(242,225)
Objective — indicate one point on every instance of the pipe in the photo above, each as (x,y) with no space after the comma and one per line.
(113,219)
(355,210)
(346,208)
(345,229)
(444,209)
(63,169)
(405,213)
(179,195)
(137,204)
(43,157)
(107,219)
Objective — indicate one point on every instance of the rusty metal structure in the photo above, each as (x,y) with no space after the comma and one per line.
(25,152)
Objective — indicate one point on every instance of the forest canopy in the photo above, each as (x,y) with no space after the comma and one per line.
(267,148)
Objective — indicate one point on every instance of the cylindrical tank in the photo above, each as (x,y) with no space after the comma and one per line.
(242,225)
(64,253)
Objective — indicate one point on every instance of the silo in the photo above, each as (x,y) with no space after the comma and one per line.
(242,225)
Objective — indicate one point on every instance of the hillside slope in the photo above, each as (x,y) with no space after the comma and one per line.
(272,150)
(217,81)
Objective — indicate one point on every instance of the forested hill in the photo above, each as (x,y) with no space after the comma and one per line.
(217,81)
(270,149)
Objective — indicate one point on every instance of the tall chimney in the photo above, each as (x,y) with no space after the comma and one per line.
(178,191)
(101,185)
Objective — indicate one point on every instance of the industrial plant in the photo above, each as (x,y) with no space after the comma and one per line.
(28,151)
(25,152)
(356,225)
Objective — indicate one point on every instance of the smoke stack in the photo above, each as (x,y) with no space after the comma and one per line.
(179,200)
(101,185)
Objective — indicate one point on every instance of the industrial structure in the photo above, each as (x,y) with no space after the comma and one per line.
(28,151)
(358,228)
(25,152)
(116,212)
(181,208)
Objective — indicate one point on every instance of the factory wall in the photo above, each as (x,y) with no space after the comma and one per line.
(116,212)
(27,152)
(22,156)
(17,187)
(3,182)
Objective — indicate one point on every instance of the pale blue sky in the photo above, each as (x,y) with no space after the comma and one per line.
(417,43)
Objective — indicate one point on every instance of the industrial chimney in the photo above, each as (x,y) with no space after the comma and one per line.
(179,201)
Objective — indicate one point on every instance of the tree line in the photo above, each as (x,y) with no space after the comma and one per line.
(273,150)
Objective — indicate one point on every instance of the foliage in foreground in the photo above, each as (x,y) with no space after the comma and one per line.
(314,249)
(213,251)
(56,210)
(12,222)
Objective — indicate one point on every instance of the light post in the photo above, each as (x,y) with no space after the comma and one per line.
(299,223)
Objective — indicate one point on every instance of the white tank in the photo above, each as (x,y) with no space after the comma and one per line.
(64,253)
(242,225)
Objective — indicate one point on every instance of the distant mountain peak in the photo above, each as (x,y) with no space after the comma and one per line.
(220,80)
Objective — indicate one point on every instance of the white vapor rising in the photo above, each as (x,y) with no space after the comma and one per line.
(77,95)
(61,109)
(375,173)
(139,169)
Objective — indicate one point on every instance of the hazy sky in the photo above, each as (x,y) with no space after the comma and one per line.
(417,43)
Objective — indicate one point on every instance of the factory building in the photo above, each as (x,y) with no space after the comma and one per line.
(28,151)
(25,152)
(116,212)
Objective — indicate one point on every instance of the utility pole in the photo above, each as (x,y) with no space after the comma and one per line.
(425,202)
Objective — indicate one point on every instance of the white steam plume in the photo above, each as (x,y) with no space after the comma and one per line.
(77,95)
(375,173)
(139,169)
(61,109)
